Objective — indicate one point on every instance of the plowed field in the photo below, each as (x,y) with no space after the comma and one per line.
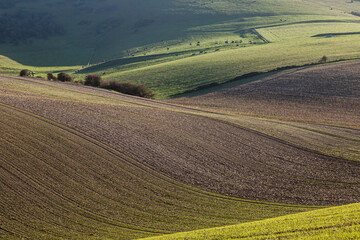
(58,183)
(194,147)
(323,94)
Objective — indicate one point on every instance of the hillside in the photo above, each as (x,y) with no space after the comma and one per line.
(170,138)
(338,222)
(77,32)
(59,183)
(175,46)
(303,41)
(93,163)
(254,130)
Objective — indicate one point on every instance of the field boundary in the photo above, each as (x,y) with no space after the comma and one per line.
(249,76)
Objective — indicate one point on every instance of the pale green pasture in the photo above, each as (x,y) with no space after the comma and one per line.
(173,77)
(297,32)
(184,67)
(333,223)
(170,20)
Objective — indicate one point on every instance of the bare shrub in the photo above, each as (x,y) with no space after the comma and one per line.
(324,59)
(128,88)
(92,80)
(64,77)
(51,76)
(24,73)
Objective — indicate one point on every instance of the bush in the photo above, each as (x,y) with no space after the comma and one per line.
(51,76)
(64,77)
(92,80)
(324,59)
(24,73)
(128,88)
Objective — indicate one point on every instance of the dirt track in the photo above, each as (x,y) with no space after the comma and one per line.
(206,153)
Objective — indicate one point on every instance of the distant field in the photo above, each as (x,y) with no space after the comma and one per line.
(328,93)
(298,31)
(333,223)
(174,74)
(255,44)
(61,33)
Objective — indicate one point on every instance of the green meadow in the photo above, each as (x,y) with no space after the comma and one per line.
(260,44)
(287,47)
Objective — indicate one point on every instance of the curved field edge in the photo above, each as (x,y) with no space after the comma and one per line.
(57,183)
(341,222)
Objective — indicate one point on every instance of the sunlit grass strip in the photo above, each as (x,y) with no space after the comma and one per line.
(336,223)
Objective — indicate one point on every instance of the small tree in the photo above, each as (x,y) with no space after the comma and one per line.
(51,76)
(24,73)
(92,80)
(64,77)
(324,59)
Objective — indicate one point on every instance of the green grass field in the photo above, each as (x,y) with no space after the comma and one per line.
(185,68)
(116,28)
(333,223)
(174,77)
(161,56)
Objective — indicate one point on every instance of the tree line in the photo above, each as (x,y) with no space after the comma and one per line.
(96,81)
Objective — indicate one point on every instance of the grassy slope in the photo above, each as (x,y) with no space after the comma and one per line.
(171,20)
(173,77)
(332,223)
(173,71)
(174,21)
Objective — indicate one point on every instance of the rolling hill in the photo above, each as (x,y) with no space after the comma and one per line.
(59,183)
(77,32)
(175,46)
(82,162)
(255,123)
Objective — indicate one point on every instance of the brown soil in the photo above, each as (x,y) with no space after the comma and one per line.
(327,94)
(204,152)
